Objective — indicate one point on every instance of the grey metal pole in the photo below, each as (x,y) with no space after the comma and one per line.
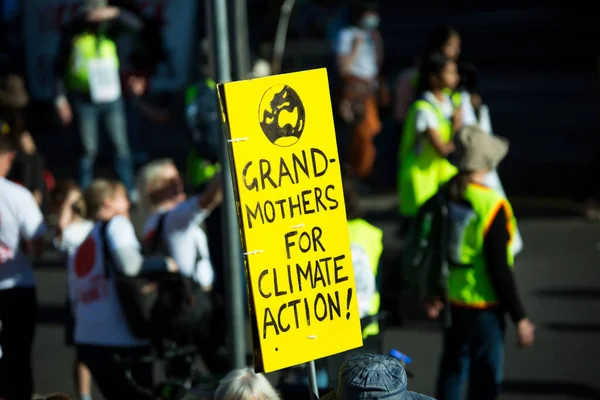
(242,52)
(232,253)
(312,380)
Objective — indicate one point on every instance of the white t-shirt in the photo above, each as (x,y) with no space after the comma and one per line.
(468,112)
(364,65)
(20,218)
(364,279)
(427,119)
(73,235)
(185,239)
(99,318)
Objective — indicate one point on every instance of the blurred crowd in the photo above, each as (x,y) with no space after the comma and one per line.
(447,156)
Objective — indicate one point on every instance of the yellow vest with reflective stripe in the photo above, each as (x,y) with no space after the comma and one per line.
(422,170)
(86,47)
(469,284)
(369,238)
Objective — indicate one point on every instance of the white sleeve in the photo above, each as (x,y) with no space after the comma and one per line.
(364,279)
(120,234)
(186,214)
(424,120)
(344,43)
(124,246)
(31,220)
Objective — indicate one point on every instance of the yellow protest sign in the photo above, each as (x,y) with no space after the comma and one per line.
(291,212)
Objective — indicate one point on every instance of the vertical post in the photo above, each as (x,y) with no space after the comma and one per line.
(240,29)
(232,254)
(312,380)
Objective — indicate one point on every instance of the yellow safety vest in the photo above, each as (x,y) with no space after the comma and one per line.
(86,47)
(369,239)
(469,282)
(421,171)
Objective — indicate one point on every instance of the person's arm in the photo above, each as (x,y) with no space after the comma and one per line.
(126,253)
(378,47)
(68,31)
(31,224)
(196,209)
(347,50)
(495,253)
(427,125)
(129,20)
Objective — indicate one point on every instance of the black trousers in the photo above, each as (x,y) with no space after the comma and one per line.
(17,317)
(110,375)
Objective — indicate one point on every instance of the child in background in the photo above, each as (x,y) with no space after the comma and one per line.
(68,205)
(427,137)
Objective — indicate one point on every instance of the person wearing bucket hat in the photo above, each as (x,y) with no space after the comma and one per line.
(480,287)
(371,377)
(88,86)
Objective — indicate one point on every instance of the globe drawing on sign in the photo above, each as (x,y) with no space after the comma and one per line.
(281,115)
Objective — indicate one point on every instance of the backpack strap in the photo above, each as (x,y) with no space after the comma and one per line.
(106,255)
(155,244)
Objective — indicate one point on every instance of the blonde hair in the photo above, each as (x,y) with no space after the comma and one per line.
(148,177)
(244,384)
(98,192)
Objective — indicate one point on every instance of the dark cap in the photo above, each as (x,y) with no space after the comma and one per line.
(373,376)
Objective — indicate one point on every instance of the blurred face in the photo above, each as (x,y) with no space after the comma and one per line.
(370,21)
(6,160)
(119,203)
(449,76)
(451,48)
(167,187)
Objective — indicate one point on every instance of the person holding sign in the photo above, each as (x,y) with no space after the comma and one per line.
(87,76)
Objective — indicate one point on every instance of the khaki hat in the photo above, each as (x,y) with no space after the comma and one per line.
(13,93)
(476,150)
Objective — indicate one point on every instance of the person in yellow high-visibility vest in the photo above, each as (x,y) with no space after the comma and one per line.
(366,244)
(88,85)
(427,137)
(481,287)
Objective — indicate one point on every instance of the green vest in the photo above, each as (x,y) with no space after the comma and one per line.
(422,170)
(369,239)
(86,47)
(469,283)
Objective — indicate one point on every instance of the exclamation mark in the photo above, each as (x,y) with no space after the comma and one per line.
(348,300)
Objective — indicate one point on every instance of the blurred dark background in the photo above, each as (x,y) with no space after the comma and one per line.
(539,66)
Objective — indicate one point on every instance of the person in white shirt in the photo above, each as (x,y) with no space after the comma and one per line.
(360,56)
(21,227)
(101,330)
(68,205)
(179,219)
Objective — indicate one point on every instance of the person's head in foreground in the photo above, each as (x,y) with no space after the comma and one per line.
(476,153)
(160,185)
(373,376)
(244,384)
(106,199)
